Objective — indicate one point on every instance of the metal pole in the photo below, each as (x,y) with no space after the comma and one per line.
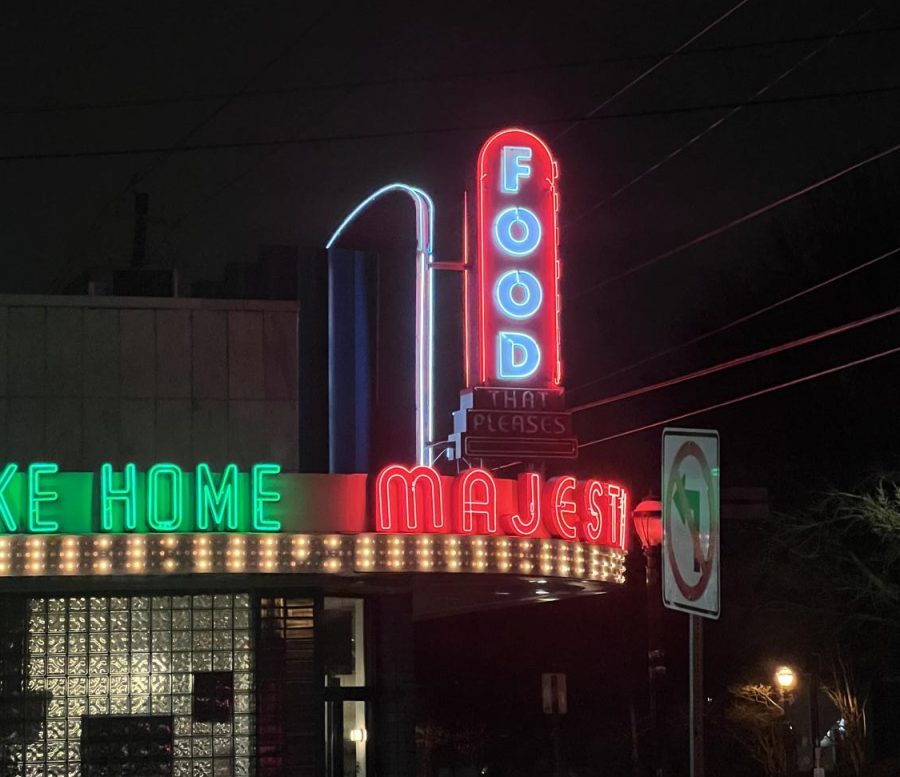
(696,695)
(656,661)
(557,753)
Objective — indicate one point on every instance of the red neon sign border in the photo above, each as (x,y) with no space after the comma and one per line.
(482,237)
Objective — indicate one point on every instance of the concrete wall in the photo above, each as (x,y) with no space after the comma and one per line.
(85,380)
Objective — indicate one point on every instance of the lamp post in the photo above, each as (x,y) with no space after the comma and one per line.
(647,519)
(786,682)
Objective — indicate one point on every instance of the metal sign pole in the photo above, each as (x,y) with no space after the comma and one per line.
(696,695)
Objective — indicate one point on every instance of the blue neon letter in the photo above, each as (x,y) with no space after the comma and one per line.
(518,355)
(518,294)
(512,169)
(517,231)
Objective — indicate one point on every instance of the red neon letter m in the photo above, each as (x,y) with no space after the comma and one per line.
(408,500)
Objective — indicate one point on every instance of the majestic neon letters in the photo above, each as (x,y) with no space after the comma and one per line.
(518,265)
(416,500)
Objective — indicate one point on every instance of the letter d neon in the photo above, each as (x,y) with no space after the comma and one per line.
(518,355)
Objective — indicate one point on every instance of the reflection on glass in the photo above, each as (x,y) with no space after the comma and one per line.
(343,642)
(355,738)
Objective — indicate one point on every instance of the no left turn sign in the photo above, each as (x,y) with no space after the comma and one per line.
(690,516)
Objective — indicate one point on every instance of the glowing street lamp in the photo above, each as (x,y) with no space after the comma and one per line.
(785,679)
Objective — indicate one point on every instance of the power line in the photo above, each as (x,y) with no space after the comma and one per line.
(741,320)
(737,362)
(150,102)
(653,68)
(738,221)
(743,397)
(168,151)
(226,103)
(724,117)
(399,134)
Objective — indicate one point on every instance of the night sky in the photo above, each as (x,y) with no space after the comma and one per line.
(267,123)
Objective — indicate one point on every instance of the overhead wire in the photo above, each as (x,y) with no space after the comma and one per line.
(428,131)
(742,398)
(167,100)
(741,320)
(753,214)
(739,361)
(169,150)
(653,68)
(724,117)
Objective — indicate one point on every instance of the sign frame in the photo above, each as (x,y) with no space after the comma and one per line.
(702,597)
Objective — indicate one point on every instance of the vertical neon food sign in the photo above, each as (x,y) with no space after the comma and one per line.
(518,263)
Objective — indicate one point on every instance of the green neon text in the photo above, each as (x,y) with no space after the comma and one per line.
(164,501)
(126,494)
(5,513)
(262,496)
(217,505)
(38,496)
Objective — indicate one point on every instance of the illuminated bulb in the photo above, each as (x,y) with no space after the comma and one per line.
(169,564)
(358,735)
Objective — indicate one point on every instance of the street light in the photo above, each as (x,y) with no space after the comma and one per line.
(647,520)
(785,679)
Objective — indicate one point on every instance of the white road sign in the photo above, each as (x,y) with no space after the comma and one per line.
(690,518)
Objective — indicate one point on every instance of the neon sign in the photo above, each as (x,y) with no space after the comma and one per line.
(518,263)
(39,499)
(417,500)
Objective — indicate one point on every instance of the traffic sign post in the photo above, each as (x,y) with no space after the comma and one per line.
(690,516)
(690,550)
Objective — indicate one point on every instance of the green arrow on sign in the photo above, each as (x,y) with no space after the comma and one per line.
(687,502)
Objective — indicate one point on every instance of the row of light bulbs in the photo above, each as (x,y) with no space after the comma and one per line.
(334,553)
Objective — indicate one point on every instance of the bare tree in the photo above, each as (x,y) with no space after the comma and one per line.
(843,695)
(759,724)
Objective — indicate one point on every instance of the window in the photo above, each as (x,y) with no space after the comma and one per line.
(346,694)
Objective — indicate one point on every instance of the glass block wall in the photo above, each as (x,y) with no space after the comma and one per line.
(136,656)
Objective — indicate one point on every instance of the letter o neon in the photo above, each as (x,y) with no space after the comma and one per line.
(532,294)
(517,231)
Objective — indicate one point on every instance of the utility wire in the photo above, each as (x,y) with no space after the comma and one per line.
(226,103)
(406,133)
(738,221)
(168,151)
(743,397)
(652,69)
(151,102)
(737,362)
(741,320)
(724,117)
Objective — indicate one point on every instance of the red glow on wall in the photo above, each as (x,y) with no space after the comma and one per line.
(416,499)
(518,236)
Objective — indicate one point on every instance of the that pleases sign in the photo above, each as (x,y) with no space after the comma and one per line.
(518,265)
